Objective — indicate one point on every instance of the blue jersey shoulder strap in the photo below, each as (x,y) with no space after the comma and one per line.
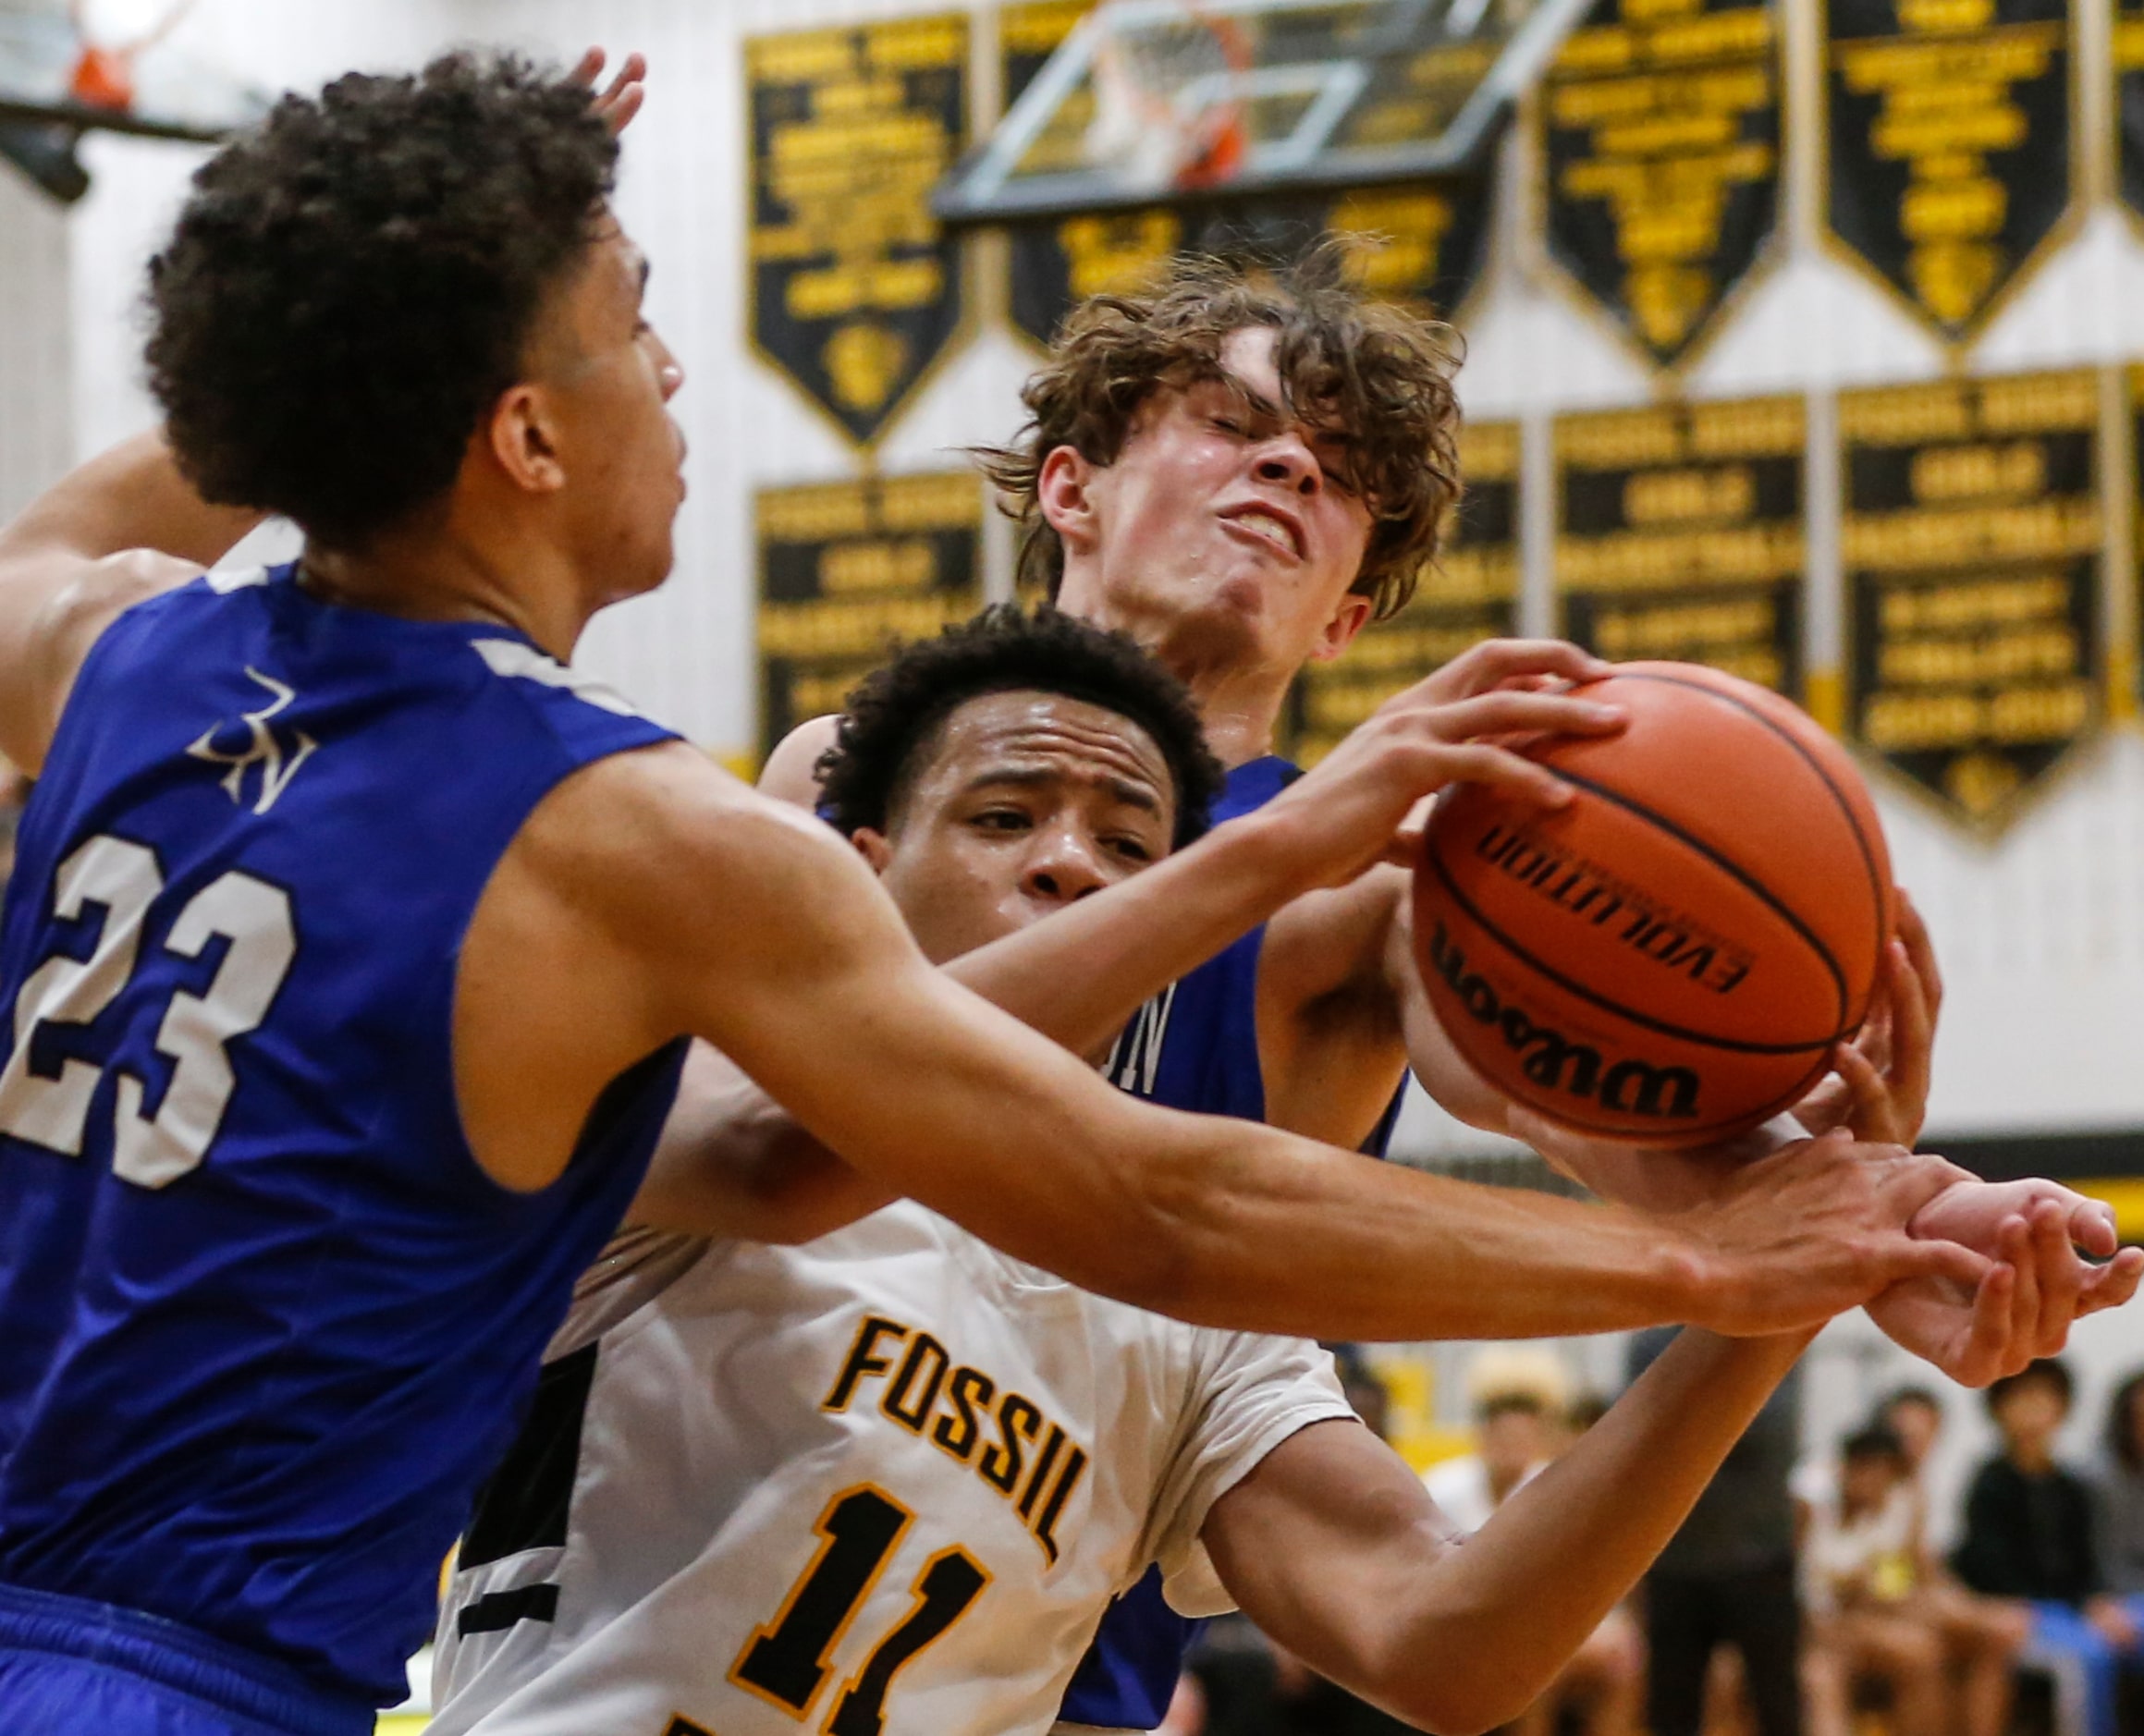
(264,1322)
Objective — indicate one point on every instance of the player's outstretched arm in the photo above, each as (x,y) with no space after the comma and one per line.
(119,529)
(651,895)
(1080,975)
(1332,1547)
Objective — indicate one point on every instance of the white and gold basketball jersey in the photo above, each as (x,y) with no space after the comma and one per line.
(886,1482)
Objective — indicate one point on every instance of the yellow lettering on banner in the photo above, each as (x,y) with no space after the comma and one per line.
(1664,97)
(855,170)
(1978,661)
(1981,602)
(1634,560)
(1724,495)
(1901,542)
(2129,42)
(856,627)
(877,566)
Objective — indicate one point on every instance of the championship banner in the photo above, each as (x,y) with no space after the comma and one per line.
(2130,100)
(1659,153)
(1424,244)
(854,290)
(1971,545)
(1949,145)
(1468,595)
(846,570)
(1679,535)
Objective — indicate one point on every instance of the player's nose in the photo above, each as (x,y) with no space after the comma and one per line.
(1063,868)
(1286,460)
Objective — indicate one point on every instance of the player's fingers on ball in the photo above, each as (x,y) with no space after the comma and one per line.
(1495,660)
(1504,712)
(1475,764)
(1921,949)
(1873,1115)
(1911,1015)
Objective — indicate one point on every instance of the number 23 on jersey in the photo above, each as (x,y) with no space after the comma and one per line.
(127,880)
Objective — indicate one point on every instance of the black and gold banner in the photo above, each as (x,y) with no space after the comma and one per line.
(1971,545)
(855,291)
(1468,595)
(1424,243)
(1659,153)
(1679,535)
(846,570)
(2130,99)
(1949,145)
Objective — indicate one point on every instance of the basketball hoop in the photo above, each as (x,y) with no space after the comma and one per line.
(1169,112)
(114,35)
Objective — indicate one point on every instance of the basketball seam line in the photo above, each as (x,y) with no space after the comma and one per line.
(1729,866)
(1661,1026)
(1881,892)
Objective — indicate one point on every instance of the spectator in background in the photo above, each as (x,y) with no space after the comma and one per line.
(1727,1577)
(1916,1415)
(1860,1562)
(2029,1540)
(1519,1394)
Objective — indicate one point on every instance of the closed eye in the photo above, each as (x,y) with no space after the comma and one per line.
(1004,819)
(1130,848)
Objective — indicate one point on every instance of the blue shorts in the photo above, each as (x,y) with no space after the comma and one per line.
(67,1665)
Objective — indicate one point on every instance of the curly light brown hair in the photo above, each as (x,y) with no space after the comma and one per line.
(1379,375)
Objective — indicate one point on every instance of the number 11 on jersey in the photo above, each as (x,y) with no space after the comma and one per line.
(785,1663)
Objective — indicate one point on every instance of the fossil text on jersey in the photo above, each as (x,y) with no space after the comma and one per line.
(1002,1435)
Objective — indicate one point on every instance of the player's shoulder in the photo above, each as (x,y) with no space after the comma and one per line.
(791,772)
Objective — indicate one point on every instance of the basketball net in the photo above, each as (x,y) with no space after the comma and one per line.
(1167,113)
(114,35)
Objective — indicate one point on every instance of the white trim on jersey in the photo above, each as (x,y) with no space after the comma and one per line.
(887,1481)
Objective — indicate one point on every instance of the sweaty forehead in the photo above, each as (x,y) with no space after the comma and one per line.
(1026,734)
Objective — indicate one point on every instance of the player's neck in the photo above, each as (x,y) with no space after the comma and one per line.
(1239,700)
(439,574)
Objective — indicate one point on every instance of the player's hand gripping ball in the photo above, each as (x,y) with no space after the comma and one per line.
(1670,957)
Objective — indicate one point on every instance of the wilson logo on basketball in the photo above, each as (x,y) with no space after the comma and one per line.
(1552,1061)
(1576,885)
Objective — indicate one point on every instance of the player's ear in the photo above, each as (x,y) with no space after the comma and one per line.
(523,441)
(1348,619)
(874,846)
(1064,491)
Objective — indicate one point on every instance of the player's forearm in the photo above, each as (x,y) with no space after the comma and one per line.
(1078,976)
(131,496)
(1277,1234)
(1482,1631)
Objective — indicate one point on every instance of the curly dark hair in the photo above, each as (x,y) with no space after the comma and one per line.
(352,283)
(1380,373)
(894,713)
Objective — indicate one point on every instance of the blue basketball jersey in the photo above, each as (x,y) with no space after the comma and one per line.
(1193,1046)
(264,1322)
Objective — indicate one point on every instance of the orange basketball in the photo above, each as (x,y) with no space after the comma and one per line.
(1669,959)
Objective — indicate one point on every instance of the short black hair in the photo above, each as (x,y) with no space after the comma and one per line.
(896,709)
(352,283)
(2051,1370)
(1875,1441)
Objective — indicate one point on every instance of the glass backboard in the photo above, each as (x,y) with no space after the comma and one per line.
(1153,100)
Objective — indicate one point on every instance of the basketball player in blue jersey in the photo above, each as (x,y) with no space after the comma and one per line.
(1278,484)
(356,942)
